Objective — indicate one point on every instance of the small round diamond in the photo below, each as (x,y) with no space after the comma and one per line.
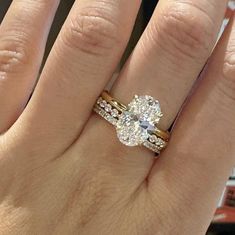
(99,100)
(103,103)
(153,138)
(114,113)
(161,143)
(108,108)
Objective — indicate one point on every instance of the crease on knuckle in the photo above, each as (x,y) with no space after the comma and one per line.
(183,33)
(93,31)
(13,57)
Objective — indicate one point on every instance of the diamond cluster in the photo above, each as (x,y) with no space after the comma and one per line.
(136,125)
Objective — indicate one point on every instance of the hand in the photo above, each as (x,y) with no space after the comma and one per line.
(62,168)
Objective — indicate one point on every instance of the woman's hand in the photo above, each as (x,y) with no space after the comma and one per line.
(62,169)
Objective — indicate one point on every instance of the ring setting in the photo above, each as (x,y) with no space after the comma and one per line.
(136,123)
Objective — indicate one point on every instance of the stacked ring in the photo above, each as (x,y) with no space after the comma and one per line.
(136,123)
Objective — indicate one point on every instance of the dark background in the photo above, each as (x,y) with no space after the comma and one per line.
(142,20)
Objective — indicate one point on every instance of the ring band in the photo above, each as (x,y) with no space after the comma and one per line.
(124,118)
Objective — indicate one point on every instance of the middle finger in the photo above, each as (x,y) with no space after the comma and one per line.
(81,62)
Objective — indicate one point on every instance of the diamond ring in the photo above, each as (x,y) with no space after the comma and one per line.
(136,123)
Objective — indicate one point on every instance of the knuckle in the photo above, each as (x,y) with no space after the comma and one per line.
(94,31)
(13,58)
(183,33)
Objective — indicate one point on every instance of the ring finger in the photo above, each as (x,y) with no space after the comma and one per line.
(165,64)
(171,53)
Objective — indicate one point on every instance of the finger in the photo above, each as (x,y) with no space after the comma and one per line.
(201,153)
(166,62)
(83,59)
(171,53)
(154,69)
(23,34)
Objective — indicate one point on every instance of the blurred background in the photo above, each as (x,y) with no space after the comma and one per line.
(224,219)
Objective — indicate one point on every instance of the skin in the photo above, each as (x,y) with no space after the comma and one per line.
(62,169)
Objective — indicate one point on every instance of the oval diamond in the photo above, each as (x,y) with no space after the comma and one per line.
(135,124)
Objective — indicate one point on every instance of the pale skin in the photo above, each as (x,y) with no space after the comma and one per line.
(62,168)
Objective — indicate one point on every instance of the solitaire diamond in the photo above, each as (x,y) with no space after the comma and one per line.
(135,124)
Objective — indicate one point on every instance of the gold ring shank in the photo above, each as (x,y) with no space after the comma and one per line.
(165,135)
(116,104)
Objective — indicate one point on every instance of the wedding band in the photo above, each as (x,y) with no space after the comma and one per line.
(136,123)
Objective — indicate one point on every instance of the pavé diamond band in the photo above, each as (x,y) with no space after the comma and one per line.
(135,123)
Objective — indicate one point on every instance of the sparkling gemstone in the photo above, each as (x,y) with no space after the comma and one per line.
(129,130)
(103,103)
(114,113)
(146,107)
(108,108)
(99,100)
(153,139)
(161,143)
(137,123)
